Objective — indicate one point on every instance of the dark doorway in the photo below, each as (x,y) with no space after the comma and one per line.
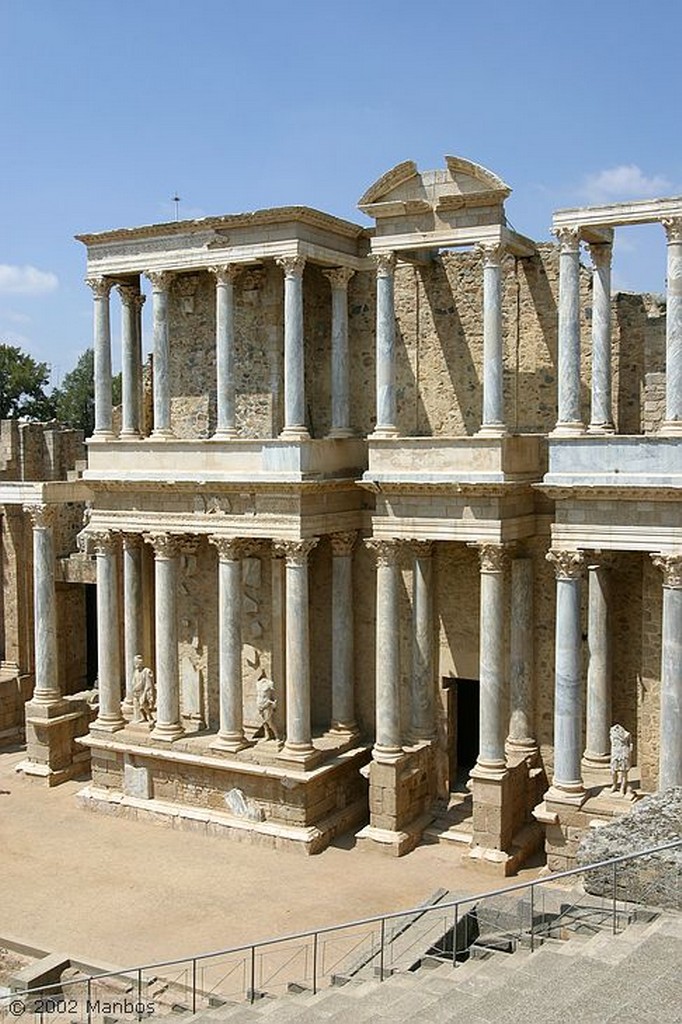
(463,719)
(91,632)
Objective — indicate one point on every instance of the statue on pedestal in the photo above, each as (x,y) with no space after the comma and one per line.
(266,703)
(143,691)
(621,758)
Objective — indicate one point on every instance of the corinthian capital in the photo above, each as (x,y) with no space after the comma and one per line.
(42,516)
(130,294)
(230,549)
(568,565)
(102,542)
(165,545)
(386,551)
(160,279)
(343,543)
(600,254)
(339,277)
(491,253)
(673,228)
(292,266)
(101,286)
(385,263)
(568,238)
(492,557)
(296,551)
(225,273)
(670,564)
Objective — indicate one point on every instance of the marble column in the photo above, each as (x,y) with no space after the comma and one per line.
(388,742)
(231,550)
(294,350)
(105,544)
(494,695)
(133,613)
(160,281)
(598,719)
(298,745)
(601,419)
(568,356)
(492,421)
(166,557)
(131,369)
(422,716)
(340,367)
(670,772)
(567,785)
(225,276)
(101,287)
(343,669)
(673,328)
(521,739)
(385,348)
(46,689)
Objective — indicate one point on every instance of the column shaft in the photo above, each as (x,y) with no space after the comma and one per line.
(673,329)
(102,354)
(493,367)
(568,716)
(298,711)
(521,729)
(166,550)
(568,371)
(132,610)
(225,344)
(494,696)
(131,370)
(598,724)
(388,743)
(340,368)
(162,420)
(109,717)
(343,674)
(46,690)
(294,353)
(231,734)
(422,709)
(385,348)
(601,420)
(670,772)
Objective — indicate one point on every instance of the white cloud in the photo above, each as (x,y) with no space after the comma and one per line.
(627,181)
(26,280)
(12,317)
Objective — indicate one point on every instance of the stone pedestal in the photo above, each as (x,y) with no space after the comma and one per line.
(401,793)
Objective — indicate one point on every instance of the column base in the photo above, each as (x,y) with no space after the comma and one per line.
(167,733)
(295,433)
(573,793)
(492,430)
(671,428)
(521,750)
(493,770)
(596,760)
(231,744)
(304,755)
(386,755)
(103,434)
(225,434)
(162,434)
(46,704)
(344,729)
(339,433)
(381,433)
(601,428)
(130,434)
(572,429)
(108,725)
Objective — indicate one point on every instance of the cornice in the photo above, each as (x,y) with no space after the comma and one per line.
(613,493)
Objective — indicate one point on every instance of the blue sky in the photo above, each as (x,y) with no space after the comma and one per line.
(108,108)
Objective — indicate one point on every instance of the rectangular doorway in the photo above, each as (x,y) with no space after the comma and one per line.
(463,713)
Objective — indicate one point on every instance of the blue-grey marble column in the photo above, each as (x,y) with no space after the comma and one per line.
(492,422)
(388,741)
(160,281)
(494,694)
(343,668)
(567,784)
(601,419)
(230,553)
(133,612)
(294,352)
(521,738)
(166,556)
(298,744)
(385,347)
(109,717)
(568,371)
(225,348)
(423,721)
(670,771)
(46,689)
(101,287)
(340,367)
(131,370)
(673,330)
(598,718)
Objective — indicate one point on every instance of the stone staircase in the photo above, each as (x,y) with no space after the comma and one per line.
(593,977)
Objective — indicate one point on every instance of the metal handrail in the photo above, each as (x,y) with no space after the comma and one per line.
(136,972)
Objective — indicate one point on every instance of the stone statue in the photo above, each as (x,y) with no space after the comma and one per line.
(266,703)
(143,691)
(621,757)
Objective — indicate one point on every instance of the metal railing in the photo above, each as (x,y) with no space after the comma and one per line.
(378,945)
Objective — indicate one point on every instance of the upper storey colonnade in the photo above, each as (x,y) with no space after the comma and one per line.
(594,225)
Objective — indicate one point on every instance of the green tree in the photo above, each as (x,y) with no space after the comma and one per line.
(74,401)
(22,385)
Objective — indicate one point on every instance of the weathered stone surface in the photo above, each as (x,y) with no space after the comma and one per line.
(654,880)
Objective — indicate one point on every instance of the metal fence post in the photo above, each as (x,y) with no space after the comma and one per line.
(455,928)
(381,951)
(532,918)
(252,993)
(194,985)
(139,993)
(615,912)
(315,963)
(88,997)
